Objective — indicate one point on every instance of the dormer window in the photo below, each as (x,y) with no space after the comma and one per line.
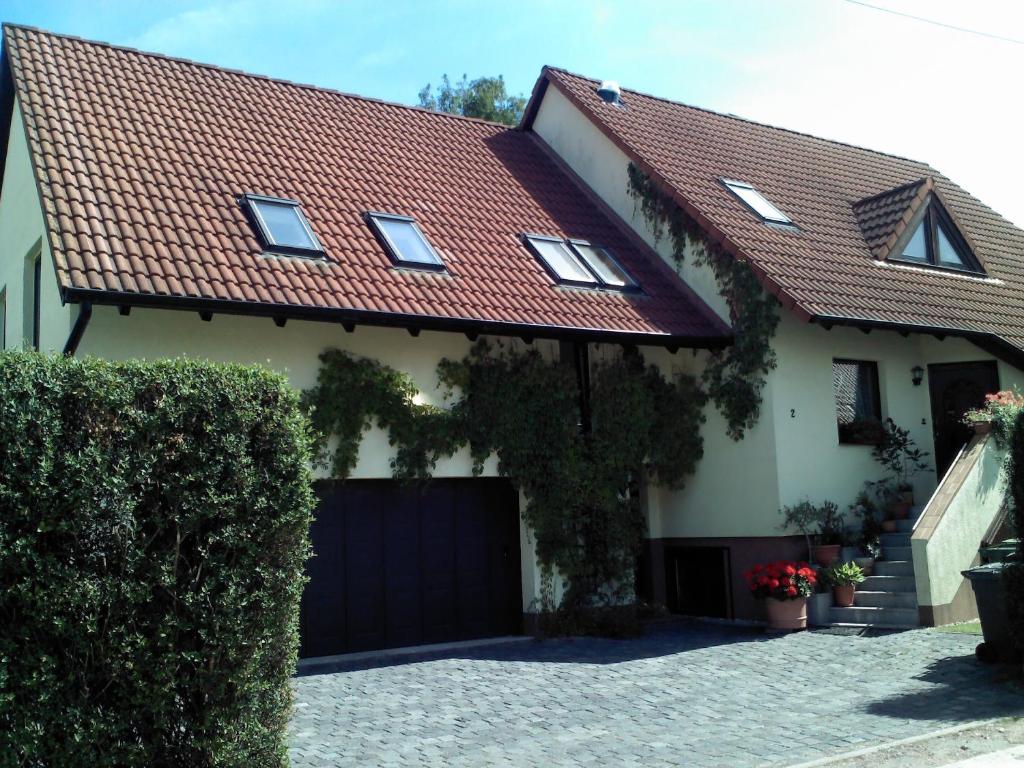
(580,263)
(757,202)
(404,241)
(936,242)
(281,226)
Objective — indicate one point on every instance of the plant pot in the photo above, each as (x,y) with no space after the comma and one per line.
(786,614)
(818,606)
(889,526)
(866,564)
(826,554)
(901,510)
(982,427)
(846,554)
(843,594)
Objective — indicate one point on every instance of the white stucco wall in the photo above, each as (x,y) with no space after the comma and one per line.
(22,235)
(794,451)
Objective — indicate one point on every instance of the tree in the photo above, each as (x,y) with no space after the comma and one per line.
(484,97)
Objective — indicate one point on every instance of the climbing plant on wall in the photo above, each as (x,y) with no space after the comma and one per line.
(580,481)
(735,376)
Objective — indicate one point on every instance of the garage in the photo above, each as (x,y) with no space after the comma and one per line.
(398,564)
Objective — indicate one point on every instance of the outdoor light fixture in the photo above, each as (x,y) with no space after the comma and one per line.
(917,375)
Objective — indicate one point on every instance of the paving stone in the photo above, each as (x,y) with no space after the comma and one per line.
(703,695)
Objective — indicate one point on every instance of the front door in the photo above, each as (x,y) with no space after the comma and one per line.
(955,388)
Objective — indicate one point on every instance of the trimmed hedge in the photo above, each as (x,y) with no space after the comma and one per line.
(1013,575)
(154,524)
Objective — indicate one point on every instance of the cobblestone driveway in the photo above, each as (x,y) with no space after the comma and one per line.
(697,695)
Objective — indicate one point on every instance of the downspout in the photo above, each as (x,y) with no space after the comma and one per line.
(84,315)
(581,358)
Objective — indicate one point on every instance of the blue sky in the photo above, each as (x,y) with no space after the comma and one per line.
(827,67)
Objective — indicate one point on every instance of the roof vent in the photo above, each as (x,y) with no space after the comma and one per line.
(609,92)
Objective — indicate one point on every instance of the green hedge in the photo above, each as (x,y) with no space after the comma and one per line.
(1013,576)
(154,524)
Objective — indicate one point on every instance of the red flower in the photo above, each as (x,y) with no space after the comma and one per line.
(791,591)
(789,569)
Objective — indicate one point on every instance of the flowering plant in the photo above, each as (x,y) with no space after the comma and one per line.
(1000,408)
(783,580)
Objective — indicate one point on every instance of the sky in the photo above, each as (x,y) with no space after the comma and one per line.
(832,68)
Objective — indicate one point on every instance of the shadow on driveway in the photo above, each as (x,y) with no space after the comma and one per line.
(961,688)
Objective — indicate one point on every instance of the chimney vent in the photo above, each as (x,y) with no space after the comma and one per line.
(610,92)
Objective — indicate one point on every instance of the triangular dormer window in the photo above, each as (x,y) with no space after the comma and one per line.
(936,242)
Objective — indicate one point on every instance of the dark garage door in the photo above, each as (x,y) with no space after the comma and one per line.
(397,565)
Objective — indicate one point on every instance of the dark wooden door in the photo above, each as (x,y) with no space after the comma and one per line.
(398,565)
(697,581)
(955,388)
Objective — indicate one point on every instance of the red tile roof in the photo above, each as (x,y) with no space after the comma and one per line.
(140,159)
(830,269)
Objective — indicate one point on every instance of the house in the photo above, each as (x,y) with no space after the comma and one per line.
(155,207)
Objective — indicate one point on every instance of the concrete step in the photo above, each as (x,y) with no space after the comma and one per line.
(894,568)
(866,599)
(888,583)
(906,526)
(901,617)
(894,540)
(897,553)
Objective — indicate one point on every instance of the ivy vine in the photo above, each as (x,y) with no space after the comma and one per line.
(735,376)
(581,486)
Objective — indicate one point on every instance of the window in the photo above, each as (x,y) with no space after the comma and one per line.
(281,225)
(757,202)
(858,405)
(603,264)
(577,262)
(404,241)
(937,243)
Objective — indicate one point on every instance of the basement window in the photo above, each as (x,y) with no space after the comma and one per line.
(404,241)
(281,226)
(757,202)
(580,263)
(858,401)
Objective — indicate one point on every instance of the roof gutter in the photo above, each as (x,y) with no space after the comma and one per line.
(349,318)
(990,342)
(78,329)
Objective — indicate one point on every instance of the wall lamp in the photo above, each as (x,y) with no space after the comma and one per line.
(917,375)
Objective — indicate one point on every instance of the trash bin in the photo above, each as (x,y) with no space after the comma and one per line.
(987,583)
(996,553)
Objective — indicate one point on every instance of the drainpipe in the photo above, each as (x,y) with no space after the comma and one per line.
(84,315)
(581,358)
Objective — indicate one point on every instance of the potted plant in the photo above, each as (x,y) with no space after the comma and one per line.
(784,586)
(997,414)
(898,453)
(821,526)
(844,578)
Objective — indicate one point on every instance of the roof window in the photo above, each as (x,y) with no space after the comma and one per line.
(404,241)
(282,226)
(937,243)
(757,202)
(580,263)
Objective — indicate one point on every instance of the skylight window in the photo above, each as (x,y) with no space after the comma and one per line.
(404,240)
(577,262)
(603,264)
(757,202)
(282,226)
(937,243)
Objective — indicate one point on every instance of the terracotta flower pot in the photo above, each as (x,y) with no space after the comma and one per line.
(889,526)
(901,509)
(787,614)
(826,554)
(982,427)
(843,594)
